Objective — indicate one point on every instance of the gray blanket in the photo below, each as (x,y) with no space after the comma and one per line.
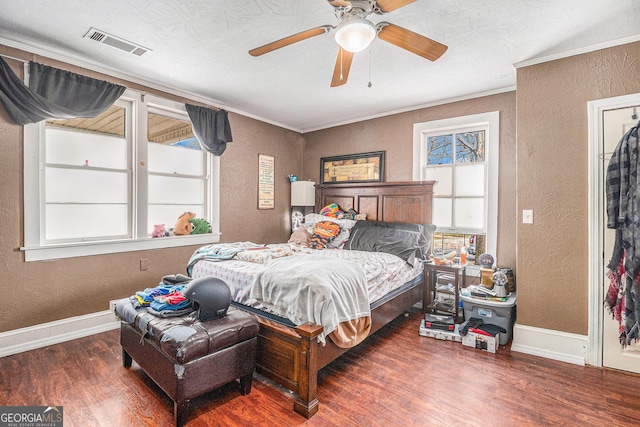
(316,289)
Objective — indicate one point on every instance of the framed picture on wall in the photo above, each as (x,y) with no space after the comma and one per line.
(266,183)
(363,167)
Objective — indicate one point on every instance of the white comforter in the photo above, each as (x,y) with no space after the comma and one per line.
(312,288)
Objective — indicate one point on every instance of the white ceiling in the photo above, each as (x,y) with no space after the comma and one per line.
(199,47)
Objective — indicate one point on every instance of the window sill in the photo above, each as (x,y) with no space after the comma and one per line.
(42,253)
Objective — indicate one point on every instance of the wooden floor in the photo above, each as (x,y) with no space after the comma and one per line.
(397,378)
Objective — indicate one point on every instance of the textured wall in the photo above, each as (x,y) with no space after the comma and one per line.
(241,220)
(38,292)
(552,265)
(394,134)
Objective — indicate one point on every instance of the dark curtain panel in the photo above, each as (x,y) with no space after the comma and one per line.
(54,94)
(211,128)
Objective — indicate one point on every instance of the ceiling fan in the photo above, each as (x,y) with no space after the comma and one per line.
(355,32)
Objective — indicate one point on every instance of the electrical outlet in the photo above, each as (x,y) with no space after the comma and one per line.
(144,264)
(527,216)
(112,308)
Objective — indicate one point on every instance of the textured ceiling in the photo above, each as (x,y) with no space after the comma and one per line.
(199,47)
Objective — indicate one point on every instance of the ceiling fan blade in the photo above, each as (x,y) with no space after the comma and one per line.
(269,47)
(341,70)
(391,5)
(413,42)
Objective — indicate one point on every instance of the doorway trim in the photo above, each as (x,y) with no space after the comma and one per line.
(596,218)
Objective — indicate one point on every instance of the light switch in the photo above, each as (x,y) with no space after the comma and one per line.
(527,216)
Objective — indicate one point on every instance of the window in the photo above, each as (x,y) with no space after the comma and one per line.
(176,169)
(100,185)
(85,184)
(461,154)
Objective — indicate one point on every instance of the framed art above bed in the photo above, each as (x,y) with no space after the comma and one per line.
(352,168)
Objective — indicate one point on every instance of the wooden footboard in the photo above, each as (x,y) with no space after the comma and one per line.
(292,357)
(289,357)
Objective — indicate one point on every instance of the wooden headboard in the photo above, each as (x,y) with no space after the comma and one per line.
(409,201)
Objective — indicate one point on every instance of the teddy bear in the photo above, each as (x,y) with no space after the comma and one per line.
(183,225)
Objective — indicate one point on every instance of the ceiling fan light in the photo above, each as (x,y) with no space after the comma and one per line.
(355,34)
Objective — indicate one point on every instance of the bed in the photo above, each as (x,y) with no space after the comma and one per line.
(291,354)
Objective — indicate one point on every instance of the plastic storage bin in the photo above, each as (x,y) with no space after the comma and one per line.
(497,313)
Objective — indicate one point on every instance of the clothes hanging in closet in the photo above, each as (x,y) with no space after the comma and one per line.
(623,215)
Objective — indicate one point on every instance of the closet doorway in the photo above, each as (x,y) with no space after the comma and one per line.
(609,120)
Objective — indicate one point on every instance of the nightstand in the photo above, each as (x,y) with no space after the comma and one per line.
(432,301)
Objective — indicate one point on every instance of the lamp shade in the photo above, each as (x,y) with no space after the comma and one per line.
(303,193)
(355,34)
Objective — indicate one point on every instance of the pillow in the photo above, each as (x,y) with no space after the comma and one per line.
(332,210)
(310,220)
(323,233)
(301,237)
(408,241)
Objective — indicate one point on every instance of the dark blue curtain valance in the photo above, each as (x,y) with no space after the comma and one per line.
(54,94)
(211,128)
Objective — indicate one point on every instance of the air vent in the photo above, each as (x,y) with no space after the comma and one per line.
(117,42)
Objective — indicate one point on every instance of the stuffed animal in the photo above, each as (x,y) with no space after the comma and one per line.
(200,226)
(183,226)
(348,214)
(159,230)
(332,210)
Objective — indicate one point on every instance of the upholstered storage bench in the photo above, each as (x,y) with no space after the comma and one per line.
(187,357)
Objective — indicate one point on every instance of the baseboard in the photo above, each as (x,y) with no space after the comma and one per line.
(556,345)
(562,346)
(32,337)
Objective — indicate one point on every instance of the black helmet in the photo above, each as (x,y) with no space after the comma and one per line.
(211,295)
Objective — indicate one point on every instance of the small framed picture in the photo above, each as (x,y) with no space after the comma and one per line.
(266,183)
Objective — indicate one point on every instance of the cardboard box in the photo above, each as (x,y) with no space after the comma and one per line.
(482,342)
